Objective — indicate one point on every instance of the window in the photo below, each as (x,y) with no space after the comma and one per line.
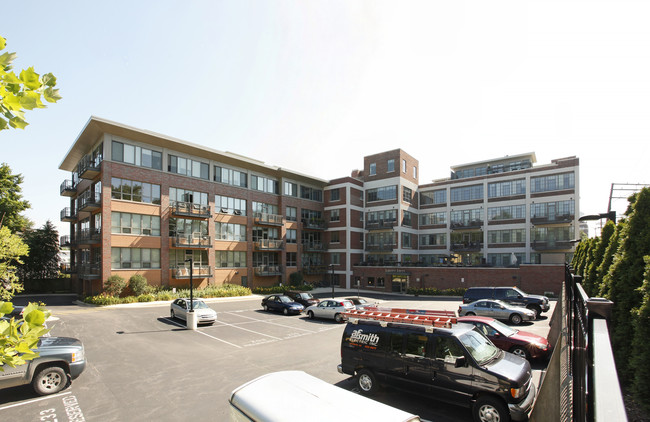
(265,233)
(292,214)
(177,258)
(187,196)
(373,169)
(335,258)
(264,184)
(229,205)
(311,193)
(433,218)
(130,190)
(291,189)
(508,188)
(265,208)
(232,259)
(507,212)
(406,240)
(292,260)
(139,156)
(230,176)
(496,237)
(407,195)
(416,345)
(134,258)
(291,235)
(407,219)
(381,217)
(390,165)
(551,183)
(467,218)
(385,193)
(334,215)
(403,166)
(435,197)
(186,227)
(466,193)
(415,172)
(435,239)
(125,223)
(335,195)
(335,237)
(230,231)
(188,167)
(553,210)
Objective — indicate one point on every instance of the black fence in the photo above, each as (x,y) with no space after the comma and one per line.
(580,382)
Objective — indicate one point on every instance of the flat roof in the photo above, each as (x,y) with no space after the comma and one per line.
(508,158)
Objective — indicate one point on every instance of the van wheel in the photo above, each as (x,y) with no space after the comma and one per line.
(519,351)
(515,319)
(50,380)
(367,382)
(537,310)
(489,409)
(470,314)
(310,314)
(338,318)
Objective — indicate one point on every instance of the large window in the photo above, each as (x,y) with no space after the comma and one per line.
(291,235)
(125,153)
(186,227)
(466,193)
(264,184)
(384,193)
(230,176)
(230,231)
(129,190)
(291,189)
(373,169)
(335,215)
(177,258)
(508,188)
(292,214)
(511,212)
(184,195)
(551,183)
(407,195)
(434,239)
(496,237)
(390,165)
(464,218)
(134,258)
(406,240)
(126,223)
(386,216)
(265,208)
(553,210)
(434,197)
(188,167)
(233,259)
(311,193)
(335,195)
(407,219)
(433,218)
(229,205)
(292,260)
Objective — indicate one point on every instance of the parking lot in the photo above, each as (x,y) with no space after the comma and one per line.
(142,365)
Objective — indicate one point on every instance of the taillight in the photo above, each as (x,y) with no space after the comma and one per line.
(459,309)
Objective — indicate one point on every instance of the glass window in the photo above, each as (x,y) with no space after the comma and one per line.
(117,152)
(391,165)
(334,215)
(292,214)
(129,190)
(373,169)
(335,195)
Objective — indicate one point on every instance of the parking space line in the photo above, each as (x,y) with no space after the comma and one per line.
(274,323)
(201,332)
(246,329)
(35,400)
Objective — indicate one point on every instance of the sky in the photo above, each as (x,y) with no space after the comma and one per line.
(296,83)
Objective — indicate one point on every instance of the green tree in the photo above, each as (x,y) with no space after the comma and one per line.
(12,248)
(640,363)
(11,200)
(22,92)
(610,252)
(43,259)
(19,338)
(592,277)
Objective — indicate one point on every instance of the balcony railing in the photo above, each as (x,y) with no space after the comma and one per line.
(314,223)
(89,236)
(198,271)
(189,209)
(89,270)
(552,219)
(193,240)
(268,219)
(268,270)
(68,215)
(548,245)
(90,201)
(459,225)
(380,224)
(314,269)
(466,246)
(68,188)
(64,241)
(89,168)
(269,244)
(380,247)
(314,246)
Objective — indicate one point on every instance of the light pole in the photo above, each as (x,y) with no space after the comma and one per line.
(332,279)
(191,316)
(609,215)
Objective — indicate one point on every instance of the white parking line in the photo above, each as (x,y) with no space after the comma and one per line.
(35,400)
(246,329)
(274,323)
(201,332)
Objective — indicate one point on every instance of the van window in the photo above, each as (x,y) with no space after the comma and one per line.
(396,342)
(447,347)
(416,344)
(481,349)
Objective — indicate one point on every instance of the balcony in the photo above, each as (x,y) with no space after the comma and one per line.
(268,270)
(265,219)
(89,168)
(199,271)
(90,201)
(189,209)
(269,245)
(314,246)
(380,247)
(64,241)
(193,240)
(464,225)
(313,223)
(89,271)
(380,224)
(539,220)
(314,269)
(551,245)
(68,188)
(89,237)
(68,215)
(68,269)
(466,246)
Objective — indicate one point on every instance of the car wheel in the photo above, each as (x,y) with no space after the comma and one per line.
(519,351)
(537,310)
(50,380)
(470,314)
(285,311)
(367,382)
(310,314)
(338,318)
(515,319)
(266,308)
(172,314)
(490,409)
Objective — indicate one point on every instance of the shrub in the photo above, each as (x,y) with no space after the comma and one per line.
(280,289)
(165,295)
(114,285)
(138,284)
(146,298)
(103,300)
(432,291)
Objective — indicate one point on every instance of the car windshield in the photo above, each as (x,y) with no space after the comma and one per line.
(306,295)
(503,328)
(284,299)
(481,349)
(347,303)
(199,304)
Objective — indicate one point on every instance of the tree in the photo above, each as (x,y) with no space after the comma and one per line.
(43,259)
(22,92)
(12,248)
(592,277)
(640,363)
(11,200)
(19,338)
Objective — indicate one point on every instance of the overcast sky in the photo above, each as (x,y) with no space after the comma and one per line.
(295,83)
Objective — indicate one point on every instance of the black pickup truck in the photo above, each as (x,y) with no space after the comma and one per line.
(511,295)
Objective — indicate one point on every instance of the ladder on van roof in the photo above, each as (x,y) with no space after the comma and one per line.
(440,319)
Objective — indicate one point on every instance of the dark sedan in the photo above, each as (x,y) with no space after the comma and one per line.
(281,303)
(521,343)
(304,298)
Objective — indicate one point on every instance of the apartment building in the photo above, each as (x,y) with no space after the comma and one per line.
(145,203)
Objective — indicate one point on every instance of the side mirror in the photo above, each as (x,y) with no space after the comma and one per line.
(460,362)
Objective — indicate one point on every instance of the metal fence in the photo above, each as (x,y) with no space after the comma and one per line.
(580,382)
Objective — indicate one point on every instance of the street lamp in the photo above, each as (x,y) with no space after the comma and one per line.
(610,215)
(332,279)
(191,316)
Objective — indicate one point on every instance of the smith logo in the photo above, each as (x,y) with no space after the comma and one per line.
(358,337)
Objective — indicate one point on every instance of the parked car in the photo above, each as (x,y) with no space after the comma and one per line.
(281,303)
(60,360)
(520,343)
(306,299)
(498,310)
(204,314)
(361,303)
(455,364)
(331,309)
(512,295)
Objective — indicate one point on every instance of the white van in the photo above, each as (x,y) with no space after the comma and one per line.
(291,395)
